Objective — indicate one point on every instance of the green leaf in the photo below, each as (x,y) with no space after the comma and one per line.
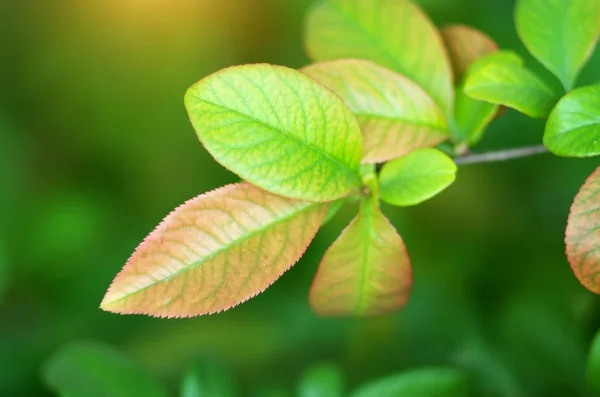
(395,34)
(214,252)
(396,116)
(87,369)
(426,382)
(207,380)
(573,128)
(561,34)
(365,272)
(323,380)
(504,82)
(279,130)
(334,208)
(465,46)
(593,364)
(582,237)
(416,177)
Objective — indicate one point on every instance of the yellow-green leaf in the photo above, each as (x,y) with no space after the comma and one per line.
(508,83)
(365,272)
(561,34)
(393,33)
(583,234)
(416,177)
(395,114)
(214,252)
(278,129)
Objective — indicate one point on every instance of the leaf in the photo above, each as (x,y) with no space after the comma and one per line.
(466,45)
(593,364)
(395,115)
(506,83)
(416,177)
(583,234)
(279,130)
(573,128)
(207,380)
(334,208)
(214,252)
(395,34)
(87,369)
(561,34)
(365,272)
(322,380)
(426,382)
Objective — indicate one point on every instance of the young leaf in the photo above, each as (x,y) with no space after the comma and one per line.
(279,130)
(561,34)
(323,380)
(593,364)
(214,252)
(426,382)
(208,379)
(393,33)
(582,237)
(416,177)
(506,83)
(365,272)
(87,369)
(395,114)
(573,128)
(466,45)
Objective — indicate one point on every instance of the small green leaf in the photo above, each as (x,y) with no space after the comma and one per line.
(396,116)
(561,34)
(323,380)
(416,177)
(593,364)
(365,272)
(573,128)
(582,237)
(214,252)
(86,369)
(504,82)
(207,380)
(395,34)
(465,46)
(426,382)
(279,130)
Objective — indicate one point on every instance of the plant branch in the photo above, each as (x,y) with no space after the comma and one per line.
(501,155)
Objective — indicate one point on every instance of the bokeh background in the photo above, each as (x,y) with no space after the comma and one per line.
(95,148)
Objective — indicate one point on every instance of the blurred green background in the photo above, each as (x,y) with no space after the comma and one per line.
(95,148)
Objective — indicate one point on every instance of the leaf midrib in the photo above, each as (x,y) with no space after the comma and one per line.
(332,159)
(219,251)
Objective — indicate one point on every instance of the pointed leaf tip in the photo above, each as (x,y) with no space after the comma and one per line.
(365,272)
(279,130)
(582,236)
(214,252)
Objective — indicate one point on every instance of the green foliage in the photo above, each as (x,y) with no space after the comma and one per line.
(278,130)
(208,379)
(416,177)
(322,380)
(89,369)
(503,82)
(573,128)
(426,382)
(560,34)
(593,364)
(337,29)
